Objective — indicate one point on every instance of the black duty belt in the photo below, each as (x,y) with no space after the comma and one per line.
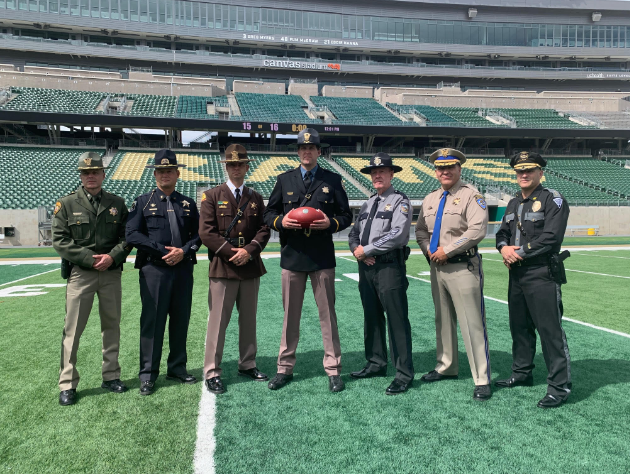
(464,257)
(158,262)
(534,261)
(237,241)
(390,257)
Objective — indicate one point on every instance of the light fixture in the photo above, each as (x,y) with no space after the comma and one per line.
(472,12)
(597,16)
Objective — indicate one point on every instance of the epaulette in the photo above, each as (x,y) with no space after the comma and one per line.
(555,193)
(69,194)
(287,171)
(372,195)
(402,194)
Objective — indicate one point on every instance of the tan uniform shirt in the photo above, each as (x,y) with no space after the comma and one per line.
(464,221)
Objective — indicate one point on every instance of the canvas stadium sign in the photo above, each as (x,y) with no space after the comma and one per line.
(289,64)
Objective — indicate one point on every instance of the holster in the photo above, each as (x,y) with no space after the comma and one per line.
(556,266)
(141,259)
(66,268)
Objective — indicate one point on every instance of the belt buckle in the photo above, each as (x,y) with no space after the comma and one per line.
(241,242)
(307,232)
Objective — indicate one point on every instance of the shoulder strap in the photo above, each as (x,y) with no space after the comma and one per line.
(238,215)
(309,192)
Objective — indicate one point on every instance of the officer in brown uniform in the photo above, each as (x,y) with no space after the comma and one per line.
(233,229)
(88,232)
(452,221)
(308,254)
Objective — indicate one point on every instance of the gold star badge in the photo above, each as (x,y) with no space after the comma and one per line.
(253,204)
(113,211)
(456,201)
(325,189)
(185,203)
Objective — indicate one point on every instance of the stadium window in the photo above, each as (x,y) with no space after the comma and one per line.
(432,32)
(210,15)
(43,6)
(615,37)
(346,26)
(23,5)
(104,9)
(232,18)
(587,36)
(153,11)
(196,14)
(627,36)
(95,9)
(224,17)
(32,5)
(408,30)
(11,4)
(85,7)
(565,36)
(53,6)
(187,13)
(622,36)
(203,15)
(249,18)
(134,10)
(572,30)
(124,10)
(608,37)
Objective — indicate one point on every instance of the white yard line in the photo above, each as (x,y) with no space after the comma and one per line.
(203,460)
(571,270)
(599,256)
(581,323)
(31,276)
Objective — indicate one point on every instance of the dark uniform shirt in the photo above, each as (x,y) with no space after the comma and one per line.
(536,224)
(303,252)
(149,230)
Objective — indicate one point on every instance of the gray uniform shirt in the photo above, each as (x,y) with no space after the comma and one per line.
(390,227)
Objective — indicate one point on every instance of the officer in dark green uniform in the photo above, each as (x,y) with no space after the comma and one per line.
(88,232)
(529,240)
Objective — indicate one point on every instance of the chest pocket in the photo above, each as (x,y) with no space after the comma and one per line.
(290,201)
(384,215)
(534,216)
(154,218)
(325,201)
(509,217)
(80,227)
(109,219)
(363,216)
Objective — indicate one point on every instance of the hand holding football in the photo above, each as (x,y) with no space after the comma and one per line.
(306,216)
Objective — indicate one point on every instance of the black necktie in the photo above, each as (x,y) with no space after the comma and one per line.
(307,180)
(238,196)
(365,237)
(176,239)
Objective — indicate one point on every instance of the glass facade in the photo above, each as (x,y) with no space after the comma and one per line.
(293,23)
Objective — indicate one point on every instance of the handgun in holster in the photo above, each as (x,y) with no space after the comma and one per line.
(556,266)
(66,268)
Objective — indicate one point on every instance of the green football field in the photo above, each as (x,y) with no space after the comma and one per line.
(434,428)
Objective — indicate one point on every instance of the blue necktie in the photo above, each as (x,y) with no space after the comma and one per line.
(435,238)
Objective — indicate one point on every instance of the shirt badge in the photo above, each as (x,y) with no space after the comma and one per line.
(253,204)
(113,211)
(536,207)
(388,207)
(325,189)
(185,203)
(289,193)
(456,201)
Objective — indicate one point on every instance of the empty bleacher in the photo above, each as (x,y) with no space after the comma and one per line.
(272,108)
(152,105)
(599,173)
(189,106)
(432,115)
(37,176)
(52,100)
(541,118)
(468,116)
(358,111)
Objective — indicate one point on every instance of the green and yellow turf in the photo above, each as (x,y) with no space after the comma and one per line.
(303,428)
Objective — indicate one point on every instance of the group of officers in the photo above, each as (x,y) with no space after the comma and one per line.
(94,232)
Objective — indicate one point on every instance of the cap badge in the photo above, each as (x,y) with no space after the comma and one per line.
(524,155)
(377,161)
(88,161)
(234,155)
(165,161)
(536,207)
(307,137)
(113,211)
(444,152)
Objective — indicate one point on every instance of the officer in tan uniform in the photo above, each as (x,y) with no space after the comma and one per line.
(452,221)
(88,233)
(233,229)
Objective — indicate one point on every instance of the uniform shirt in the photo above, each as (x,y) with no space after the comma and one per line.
(313,171)
(464,221)
(302,251)
(234,188)
(390,226)
(78,231)
(536,224)
(149,229)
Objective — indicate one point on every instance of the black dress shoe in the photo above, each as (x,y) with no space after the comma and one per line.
(482,393)
(435,376)
(513,382)
(115,386)
(184,378)
(366,373)
(215,385)
(397,387)
(147,387)
(253,374)
(551,401)
(335,384)
(68,397)
(279,381)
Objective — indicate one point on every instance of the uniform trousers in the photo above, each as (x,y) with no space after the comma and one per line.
(457,290)
(80,290)
(293,288)
(535,302)
(165,291)
(383,289)
(222,295)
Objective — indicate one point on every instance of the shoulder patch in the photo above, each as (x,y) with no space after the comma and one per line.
(481,201)
(404,208)
(203,197)
(57,207)
(558,202)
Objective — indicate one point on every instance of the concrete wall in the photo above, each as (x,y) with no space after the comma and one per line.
(349,91)
(158,85)
(303,89)
(258,87)
(54,71)
(25,223)
(611,220)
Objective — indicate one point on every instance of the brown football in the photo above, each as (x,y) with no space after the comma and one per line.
(306,215)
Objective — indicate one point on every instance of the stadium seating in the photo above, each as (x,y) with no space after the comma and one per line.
(541,118)
(599,173)
(36,176)
(358,111)
(52,100)
(152,105)
(469,116)
(272,108)
(190,106)
(129,177)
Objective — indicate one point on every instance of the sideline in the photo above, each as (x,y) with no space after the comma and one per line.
(30,276)
(571,270)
